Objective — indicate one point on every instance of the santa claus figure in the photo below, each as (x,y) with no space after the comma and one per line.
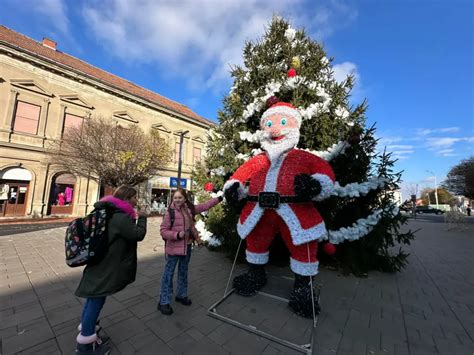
(279,187)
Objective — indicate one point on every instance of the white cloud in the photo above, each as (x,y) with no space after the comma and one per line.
(343,70)
(199,40)
(443,142)
(399,146)
(428,131)
(55,11)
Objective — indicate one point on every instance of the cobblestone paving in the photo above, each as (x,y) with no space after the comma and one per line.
(426,309)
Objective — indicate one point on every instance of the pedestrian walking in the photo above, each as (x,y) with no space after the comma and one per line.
(468,210)
(115,271)
(179,232)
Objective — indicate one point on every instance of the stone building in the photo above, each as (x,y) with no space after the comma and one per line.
(43,91)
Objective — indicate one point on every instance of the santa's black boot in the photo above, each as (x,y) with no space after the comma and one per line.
(300,298)
(253,280)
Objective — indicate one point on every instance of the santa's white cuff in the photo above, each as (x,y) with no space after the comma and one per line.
(327,186)
(257,258)
(304,269)
(241,191)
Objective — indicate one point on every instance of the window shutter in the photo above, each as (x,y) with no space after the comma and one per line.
(26,118)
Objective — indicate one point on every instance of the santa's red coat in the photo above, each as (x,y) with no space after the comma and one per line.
(261,174)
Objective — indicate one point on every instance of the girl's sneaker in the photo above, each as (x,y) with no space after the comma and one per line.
(91,345)
(165,309)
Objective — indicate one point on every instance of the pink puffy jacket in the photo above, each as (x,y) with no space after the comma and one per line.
(173,245)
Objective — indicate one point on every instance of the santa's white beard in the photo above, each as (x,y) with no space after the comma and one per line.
(275,148)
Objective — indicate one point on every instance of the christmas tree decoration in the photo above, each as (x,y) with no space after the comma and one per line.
(208,186)
(329,248)
(295,62)
(291,73)
(355,205)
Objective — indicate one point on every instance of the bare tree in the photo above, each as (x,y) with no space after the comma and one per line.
(460,179)
(109,153)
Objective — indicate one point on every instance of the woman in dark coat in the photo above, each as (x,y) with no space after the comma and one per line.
(116,270)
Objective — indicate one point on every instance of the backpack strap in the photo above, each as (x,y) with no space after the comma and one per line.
(172,216)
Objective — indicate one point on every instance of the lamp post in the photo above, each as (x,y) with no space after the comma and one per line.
(180,159)
(436,187)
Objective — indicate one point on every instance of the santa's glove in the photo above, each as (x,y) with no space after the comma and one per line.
(232,193)
(306,186)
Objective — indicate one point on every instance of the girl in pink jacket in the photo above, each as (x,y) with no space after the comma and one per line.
(179,235)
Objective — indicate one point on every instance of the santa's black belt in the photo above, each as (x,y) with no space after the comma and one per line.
(273,199)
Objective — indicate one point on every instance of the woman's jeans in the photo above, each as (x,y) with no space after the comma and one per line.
(90,314)
(166,292)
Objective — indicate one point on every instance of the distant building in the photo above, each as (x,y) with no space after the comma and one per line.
(43,91)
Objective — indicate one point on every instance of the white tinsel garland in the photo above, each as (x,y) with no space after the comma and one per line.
(332,152)
(207,236)
(357,189)
(219,171)
(293,82)
(360,228)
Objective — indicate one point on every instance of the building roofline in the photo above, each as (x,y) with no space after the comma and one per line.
(153,99)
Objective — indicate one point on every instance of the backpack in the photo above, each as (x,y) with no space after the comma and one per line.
(86,239)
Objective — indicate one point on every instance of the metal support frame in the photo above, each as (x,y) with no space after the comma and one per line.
(304,348)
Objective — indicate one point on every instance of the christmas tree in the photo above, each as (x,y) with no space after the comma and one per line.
(362,219)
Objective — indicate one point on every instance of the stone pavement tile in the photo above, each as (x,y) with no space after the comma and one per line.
(205,347)
(49,347)
(106,320)
(125,329)
(445,346)
(166,327)
(223,333)
(401,349)
(204,323)
(23,313)
(67,341)
(194,333)
(17,298)
(64,312)
(67,326)
(143,309)
(7,332)
(274,348)
(56,298)
(182,343)
(126,294)
(29,334)
(246,343)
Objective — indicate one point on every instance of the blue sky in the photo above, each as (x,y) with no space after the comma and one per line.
(413,59)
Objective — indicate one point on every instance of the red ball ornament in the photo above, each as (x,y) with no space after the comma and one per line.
(291,73)
(209,186)
(329,248)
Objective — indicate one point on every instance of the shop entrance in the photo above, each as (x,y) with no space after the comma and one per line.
(61,200)
(14,188)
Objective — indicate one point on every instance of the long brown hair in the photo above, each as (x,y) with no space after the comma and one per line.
(186,199)
(125,192)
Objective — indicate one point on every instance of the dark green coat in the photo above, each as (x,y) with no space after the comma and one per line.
(119,266)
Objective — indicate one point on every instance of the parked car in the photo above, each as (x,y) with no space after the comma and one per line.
(428,209)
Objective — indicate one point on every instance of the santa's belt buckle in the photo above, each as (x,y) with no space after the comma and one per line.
(269,199)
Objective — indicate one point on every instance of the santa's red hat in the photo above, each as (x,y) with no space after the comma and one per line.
(283,108)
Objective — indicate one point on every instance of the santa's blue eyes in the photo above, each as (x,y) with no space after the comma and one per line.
(283,122)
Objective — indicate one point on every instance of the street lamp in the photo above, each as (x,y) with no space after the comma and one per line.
(180,160)
(436,187)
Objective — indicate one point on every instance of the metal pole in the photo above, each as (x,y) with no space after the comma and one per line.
(436,187)
(180,159)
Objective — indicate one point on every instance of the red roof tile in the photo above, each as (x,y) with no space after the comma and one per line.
(29,45)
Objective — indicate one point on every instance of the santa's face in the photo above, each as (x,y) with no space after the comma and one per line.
(282,134)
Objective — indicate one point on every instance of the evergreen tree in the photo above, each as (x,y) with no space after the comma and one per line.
(360,215)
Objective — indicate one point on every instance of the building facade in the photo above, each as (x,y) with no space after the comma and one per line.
(43,92)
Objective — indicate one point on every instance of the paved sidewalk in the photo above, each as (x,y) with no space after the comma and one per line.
(426,309)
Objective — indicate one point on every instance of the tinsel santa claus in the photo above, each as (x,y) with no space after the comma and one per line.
(279,187)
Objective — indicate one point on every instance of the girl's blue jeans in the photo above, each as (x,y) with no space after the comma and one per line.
(90,314)
(166,292)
